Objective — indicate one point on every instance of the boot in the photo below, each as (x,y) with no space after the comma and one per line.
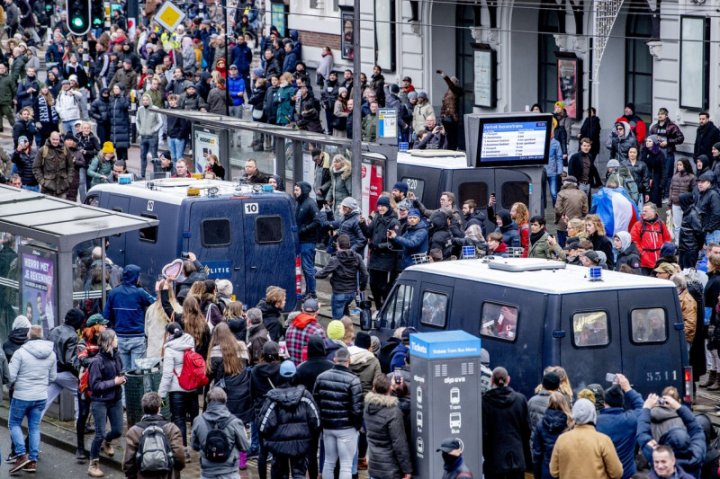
(716,385)
(94,469)
(711,377)
(108,449)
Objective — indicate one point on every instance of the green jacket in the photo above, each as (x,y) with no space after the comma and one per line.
(98,169)
(369,128)
(542,249)
(9,82)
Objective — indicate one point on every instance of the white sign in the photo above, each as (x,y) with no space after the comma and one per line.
(169,16)
(483,78)
(387,123)
(252,208)
(205,143)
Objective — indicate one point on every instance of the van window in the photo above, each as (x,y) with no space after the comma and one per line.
(499,321)
(590,329)
(400,304)
(268,229)
(476,190)
(514,191)
(415,185)
(215,232)
(149,234)
(434,309)
(648,325)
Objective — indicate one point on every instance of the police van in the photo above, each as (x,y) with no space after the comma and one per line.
(243,233)
(532,313)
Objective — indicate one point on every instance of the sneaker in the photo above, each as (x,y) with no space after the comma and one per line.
(81,455)
(12,456)
(20,462)
(30,467)
(94,469)
(108,449)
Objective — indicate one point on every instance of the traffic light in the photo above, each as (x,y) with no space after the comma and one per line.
(78,16)
(97,18)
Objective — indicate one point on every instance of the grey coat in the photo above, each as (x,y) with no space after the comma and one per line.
(235,431)
(148,121)
(32,368)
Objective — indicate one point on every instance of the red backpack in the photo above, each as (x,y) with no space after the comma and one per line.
(192,375)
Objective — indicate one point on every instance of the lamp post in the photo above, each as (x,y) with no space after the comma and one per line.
(356,149)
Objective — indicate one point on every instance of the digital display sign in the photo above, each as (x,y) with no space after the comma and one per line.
(514,141)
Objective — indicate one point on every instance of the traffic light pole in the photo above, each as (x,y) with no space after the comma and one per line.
(356,149)
(132,16)
(227,64)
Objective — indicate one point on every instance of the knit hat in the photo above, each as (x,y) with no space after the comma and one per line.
(383,201)
(614,396)
(394,89)
(551,381)
(630,105)
(362,340)
(342,89)
(401,186)
(108,148)
(412,95)
(73,78)
(336,330)
(668,249)
(560,104)
(717,146)
(75,318)
(422,94)
(404,205)
(316,347)
(350,202)
(259,72)
(665,268)
(613,163)
(21,322)
(414,212)
(310,305)
(592,256)
(287,369)
(583,412)
(96,319)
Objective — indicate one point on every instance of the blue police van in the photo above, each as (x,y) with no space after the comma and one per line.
(239,232)
(531,314)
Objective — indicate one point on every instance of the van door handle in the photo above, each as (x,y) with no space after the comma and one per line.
(253,268)
(236,268)
(559,334)
(679,326)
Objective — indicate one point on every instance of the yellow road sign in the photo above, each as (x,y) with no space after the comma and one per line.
(169,16)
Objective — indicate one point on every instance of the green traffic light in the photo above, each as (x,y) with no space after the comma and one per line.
(78,22)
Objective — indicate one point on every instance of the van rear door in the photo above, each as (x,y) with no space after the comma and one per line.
(653,340)
(121,204)
(592,341)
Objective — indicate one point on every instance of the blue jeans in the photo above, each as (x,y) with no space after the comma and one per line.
(129,350)
(177,148)
(33,410)
(307,256)
(69,126)
(552,182)
(668,171)
(102,411)
(338,303)
(148,144)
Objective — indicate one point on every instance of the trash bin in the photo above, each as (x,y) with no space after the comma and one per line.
(144,379)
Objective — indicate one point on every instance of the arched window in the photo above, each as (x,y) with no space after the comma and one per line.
(638,61)
(549,22)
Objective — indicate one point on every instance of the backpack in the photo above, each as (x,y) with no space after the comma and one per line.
(217,445)
(192,375)
(628,182)
(154,453)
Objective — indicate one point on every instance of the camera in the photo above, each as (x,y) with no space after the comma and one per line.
(610,377)
(661,402)
(184,255)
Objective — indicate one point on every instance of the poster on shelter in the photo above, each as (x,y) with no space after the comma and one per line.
(38,270)
(567,84)
(206,143)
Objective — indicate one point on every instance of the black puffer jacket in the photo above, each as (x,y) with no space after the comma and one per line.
(338,393)
(119,115)
(288,421)
(708,204)
(440,235)
(237,387)
(316,364)
(103,370)
(382,257)
(389,452)
(272,319)
(306,215)
(344,267)
(15,340)
(265,377)
(506,431)
(100,109)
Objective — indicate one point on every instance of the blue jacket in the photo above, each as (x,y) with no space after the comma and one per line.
(289,62)
(126,305)
(350,225)
(413,241)
(544,436)
(621,426)
(235,86)
(687,443)
(555,160)
(242,58)
(398,357)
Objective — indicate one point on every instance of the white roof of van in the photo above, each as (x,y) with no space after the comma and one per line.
(447,159)
(174,190)
(571,279)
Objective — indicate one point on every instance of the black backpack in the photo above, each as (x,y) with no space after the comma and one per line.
(217,445)
(154,453)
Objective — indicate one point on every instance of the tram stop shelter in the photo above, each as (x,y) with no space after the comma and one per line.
(39,234)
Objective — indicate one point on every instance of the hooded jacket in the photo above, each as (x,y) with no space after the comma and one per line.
(620,425)
(316,364)
(119,114)
(546,432)
(348,272)
(126,305)
(100,108)
(509,230)
(173,363)
(619,145)
(306,215)
(506,431)
(288,421)
(350,225)
(365,366)
(298,335)
(708,205)
(387,442)
(628,253)
(272,319)
(264,377)
(413,241)
(103,370)
(440,236)
(32,368)
(148,121)
(340,184)
(649,236)
(691,237)
(338,394)
(132,445)
(234,431)
(707,135)
(382,257)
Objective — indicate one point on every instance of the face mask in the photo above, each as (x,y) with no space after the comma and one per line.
(449,459)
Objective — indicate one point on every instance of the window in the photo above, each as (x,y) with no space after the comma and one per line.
(399,310)
(499,321)
(416,186)
(215,232)
(694,54)
(268,229)
(590,329)
(477,191)
(92,200)
(638,61)
(550,21)
(149,234)
(434,309)
(648,325)
(385,34)
(513,192)
(465,54)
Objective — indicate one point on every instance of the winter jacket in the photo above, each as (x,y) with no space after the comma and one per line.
(537,406)
(306,215)
(576,169)
(53,168)
(127,79)
(641,174)
(45,114)
(24,97)
(103,370)
(119,115)
(91,145)
(264,377)
(126,304)
(571,203)
(542,249)
(270,104)
(338,394)
(15,341)
(350,225)
(32,368)
(241,58)
(388,445)
(24,128)
(65,340)
(235,85)
(584,452)
(288,421)
(100,110)
(420,114)
(669,132)
(177,128)
(544,435)
(23,161)
(691,237)
(234,431)
(148,121)
(620,425)
(100,167)
(509,230)
(619,145)
(382,257)
(340,185)
(257,337)
(284,110)
(365,366)
(316,363)
(629,256)
(649,236)
(132,445)
(682,182)
(679,474)
(9,81)
(687,441)
(237,387)
(348,270)
(506,431)
(67,105)
(298,334)
(706,136)
(272,319)
(173,363)
(637,126)
(708,205)
(192,102)
(605,244)
(413,241)
(555,159)
(217,101)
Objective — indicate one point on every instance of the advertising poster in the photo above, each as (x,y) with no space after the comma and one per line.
(484,78)
(568,85)
(278,17)
(372,184)
(205,143)
(37,286)
(347,35)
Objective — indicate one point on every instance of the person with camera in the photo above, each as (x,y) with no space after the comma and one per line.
(433,138)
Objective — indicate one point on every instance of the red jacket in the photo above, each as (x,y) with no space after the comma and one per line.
(649,236)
